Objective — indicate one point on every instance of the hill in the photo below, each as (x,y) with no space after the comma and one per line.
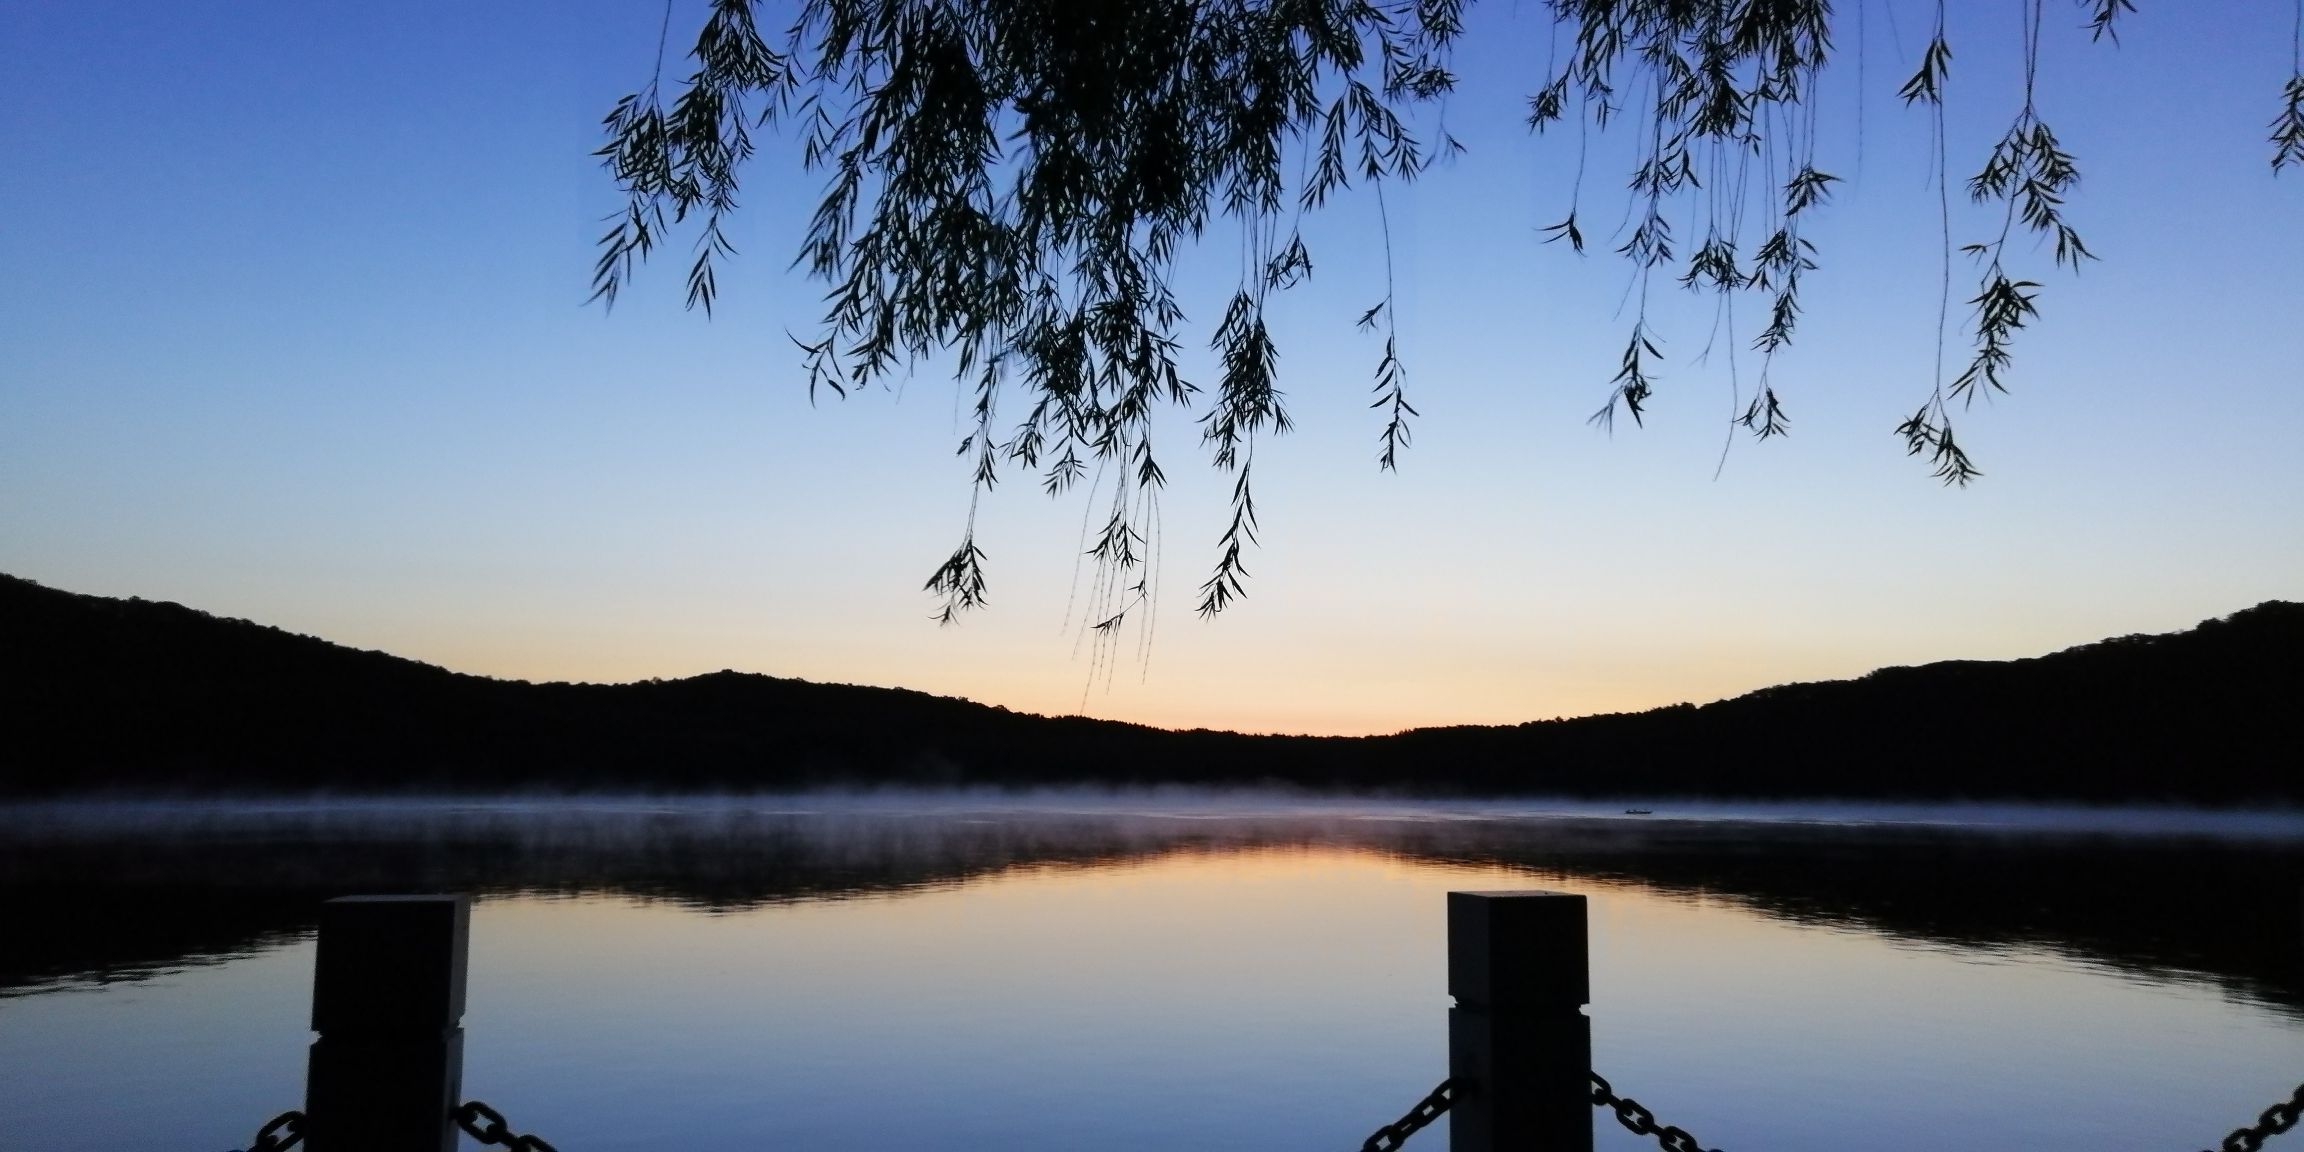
(2214,714)
(109,694)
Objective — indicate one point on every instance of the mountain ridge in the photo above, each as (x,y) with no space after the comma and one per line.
(130,694)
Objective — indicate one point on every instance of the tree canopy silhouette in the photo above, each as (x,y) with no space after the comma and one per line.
(2201,716)
(1008,183)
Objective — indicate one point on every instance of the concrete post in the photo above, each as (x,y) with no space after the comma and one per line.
(387,1001)
(1519,1045)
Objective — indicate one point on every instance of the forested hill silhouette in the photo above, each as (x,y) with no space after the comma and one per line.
(135,695)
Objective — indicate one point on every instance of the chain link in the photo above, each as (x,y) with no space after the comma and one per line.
(279,1134)
(1642,1122)
(1427,1110)
(2275,1120)
(487,1125)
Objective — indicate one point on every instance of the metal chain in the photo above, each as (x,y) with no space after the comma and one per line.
(2275,1120)
(279,1134)
(486,1125)
(1427,1110)
(1642,1122)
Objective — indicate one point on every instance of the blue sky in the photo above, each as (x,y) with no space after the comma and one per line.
(293,329)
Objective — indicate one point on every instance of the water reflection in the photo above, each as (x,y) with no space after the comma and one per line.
(925,974)
(2183,896)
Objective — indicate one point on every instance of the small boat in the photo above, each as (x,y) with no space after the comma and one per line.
(1639,811)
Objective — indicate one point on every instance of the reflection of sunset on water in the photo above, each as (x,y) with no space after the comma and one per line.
(1293,965)
(899,972)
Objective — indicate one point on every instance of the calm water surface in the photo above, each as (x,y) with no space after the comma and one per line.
(896,972)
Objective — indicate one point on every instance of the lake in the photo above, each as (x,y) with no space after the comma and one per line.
(913,971)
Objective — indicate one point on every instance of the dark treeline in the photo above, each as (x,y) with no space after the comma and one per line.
(110,694)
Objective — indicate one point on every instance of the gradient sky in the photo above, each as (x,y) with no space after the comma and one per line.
(292,329)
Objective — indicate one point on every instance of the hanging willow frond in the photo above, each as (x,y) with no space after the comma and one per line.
(1008,185)
(1008,182)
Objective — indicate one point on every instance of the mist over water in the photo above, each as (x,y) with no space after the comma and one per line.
(1319,812)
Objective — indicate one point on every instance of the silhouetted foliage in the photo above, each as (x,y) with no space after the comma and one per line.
(1008,183)
(128,694)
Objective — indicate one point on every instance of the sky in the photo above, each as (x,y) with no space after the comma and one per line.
(293,328)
